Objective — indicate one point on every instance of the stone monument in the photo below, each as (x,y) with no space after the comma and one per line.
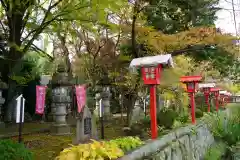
(60,100)
(137,113)
(86,127)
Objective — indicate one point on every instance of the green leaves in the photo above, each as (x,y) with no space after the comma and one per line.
(14,151)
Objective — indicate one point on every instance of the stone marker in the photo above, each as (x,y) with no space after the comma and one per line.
(97,104)
(86,128)
(137,113)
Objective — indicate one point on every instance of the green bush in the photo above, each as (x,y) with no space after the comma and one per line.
(216,152)
(127,143)
(198,113)
(225,128)
(202,108)
(166,118)
(10,150)
(183,118)
(146,121)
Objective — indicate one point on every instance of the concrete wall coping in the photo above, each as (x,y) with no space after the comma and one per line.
(153,146)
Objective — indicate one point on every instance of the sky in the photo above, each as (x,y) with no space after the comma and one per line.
(225,19)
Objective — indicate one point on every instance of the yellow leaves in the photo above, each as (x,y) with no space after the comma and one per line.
(161,43)
(100,150)
(91,151)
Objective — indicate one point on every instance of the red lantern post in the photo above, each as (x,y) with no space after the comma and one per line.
(223,98)
(227,97)
(191,82)
(205,87)
(215,91)
(151,68)
(151,76)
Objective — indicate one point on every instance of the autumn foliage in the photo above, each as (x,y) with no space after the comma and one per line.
(161,43)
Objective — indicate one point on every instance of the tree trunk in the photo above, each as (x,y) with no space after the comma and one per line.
(130,101)
(133,35)
(132,97)
(10,104)
(15,24)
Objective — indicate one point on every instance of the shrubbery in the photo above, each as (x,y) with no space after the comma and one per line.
(100,150)
(166,118)
(225,127)
(198,113)
(10,150)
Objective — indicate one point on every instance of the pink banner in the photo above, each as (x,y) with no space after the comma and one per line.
(81,97)
(40,99)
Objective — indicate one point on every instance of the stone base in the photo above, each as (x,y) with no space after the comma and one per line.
(108,117)
(71,120)
(2,125)
(60,129)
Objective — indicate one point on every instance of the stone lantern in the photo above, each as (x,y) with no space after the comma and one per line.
(2,100)
(60,100)
(105,95)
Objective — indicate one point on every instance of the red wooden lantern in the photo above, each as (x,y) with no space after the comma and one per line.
(151,68)
(206,87)
(151,74)
(191,82)
(223,98)
(215,91)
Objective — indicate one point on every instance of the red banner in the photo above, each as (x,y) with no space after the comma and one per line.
(81,97)
(40,99)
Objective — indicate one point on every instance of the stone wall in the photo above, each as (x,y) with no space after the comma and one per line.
(186,143)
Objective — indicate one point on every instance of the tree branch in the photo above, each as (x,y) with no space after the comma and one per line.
(4,29)
(45,23)
(188,49)
(44,18)
(3,4)
(25,19)
(36,48)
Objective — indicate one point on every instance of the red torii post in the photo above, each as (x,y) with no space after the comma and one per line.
(191,82)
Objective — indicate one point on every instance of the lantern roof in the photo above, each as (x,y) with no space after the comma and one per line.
(191,78)
(228,94)
(206,85)
(215,89)
(165,60)
(223,92)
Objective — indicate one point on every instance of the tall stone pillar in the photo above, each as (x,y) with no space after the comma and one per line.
(2,100)
(60,100)
(106,96)
(97,104)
